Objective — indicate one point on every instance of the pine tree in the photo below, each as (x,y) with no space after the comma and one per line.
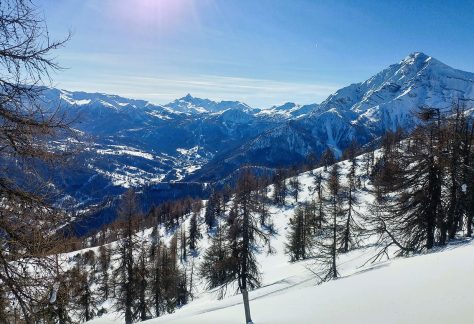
(127,244)
(280,189)
(104,262)
(212,210)
(468,175)
(263,200)
(156,272)
(300,237)
(216,267)
(140,281)
(327,158)
(295,186)
(194,232)
(183,242)
(28,223)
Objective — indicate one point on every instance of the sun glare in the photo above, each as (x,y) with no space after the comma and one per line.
(162,14)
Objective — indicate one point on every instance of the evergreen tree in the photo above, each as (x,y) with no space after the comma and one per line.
(280,189)
(194,232)
(140,278)
(327,159)
(156,273)
(86,297)
(216,266)
(300,237)
(212,210)
(104,262)
(127,244)
(295,186)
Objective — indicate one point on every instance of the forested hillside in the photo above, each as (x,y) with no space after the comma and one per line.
(272,237)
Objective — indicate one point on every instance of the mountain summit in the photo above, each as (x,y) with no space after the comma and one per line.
(361,112)
(192,105)
(137,143)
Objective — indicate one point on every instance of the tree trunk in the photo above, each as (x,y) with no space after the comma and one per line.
(334,238)
(245,296)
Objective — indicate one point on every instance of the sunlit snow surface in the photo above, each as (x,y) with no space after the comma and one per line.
(430,288)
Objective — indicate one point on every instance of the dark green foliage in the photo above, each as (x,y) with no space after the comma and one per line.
(300,236)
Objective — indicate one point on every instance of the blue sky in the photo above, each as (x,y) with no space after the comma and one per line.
(262,52)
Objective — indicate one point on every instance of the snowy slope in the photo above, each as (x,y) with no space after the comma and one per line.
(192,105)
(135,143)
(365,110)
(400,290)
(430,288)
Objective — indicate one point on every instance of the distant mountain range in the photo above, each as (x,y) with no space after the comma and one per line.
(136,143)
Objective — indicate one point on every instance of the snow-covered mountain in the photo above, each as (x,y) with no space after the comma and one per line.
(192,105)
(361,112)
(290,294)
(134,142)
(289,110)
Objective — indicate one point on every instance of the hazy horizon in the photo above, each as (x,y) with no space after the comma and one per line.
(263,53)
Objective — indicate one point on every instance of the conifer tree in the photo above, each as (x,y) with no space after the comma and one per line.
(28,223)
(140,277)
(212,210)
(245,234)
(127,244)
(87,302)
(352,228)
(104,262)
(280,189)
(216,267)
(327,238)
(410,216)
(156,272)
(300,236)
(194,232)
(327,159)
(295,186)
(319,201)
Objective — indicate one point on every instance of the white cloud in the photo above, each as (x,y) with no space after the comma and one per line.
(255,92)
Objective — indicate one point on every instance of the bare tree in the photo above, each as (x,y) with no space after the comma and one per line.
(27,223)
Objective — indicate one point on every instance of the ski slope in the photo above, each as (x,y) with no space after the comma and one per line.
(428,288)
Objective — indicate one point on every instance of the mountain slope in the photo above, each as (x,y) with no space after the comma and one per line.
(134,143)
(399,290)
(364,111)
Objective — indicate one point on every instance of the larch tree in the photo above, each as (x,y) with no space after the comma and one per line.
(246,234)
(28,223)
(295,186)
(319,201)
(327,158)
(327,238)
(412,210)
(352,228)
(156,272)
(104,263)
(126,245)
